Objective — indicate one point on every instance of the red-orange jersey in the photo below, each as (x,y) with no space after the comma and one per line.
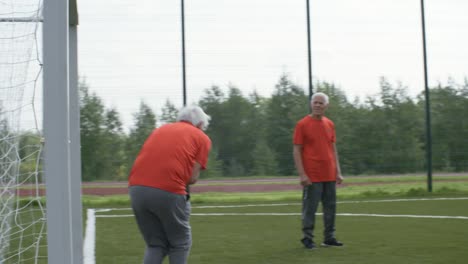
(317,137)
(167,157)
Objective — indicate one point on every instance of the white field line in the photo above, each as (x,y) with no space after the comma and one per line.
(289,204)
(89,240)
(407,200)
(89,243)
(298,214)
(408,216)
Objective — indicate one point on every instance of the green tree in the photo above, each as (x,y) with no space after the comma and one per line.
(169,113)
(389,134)
(212,104)
(215,166)
(233,128)
(240,130)
(449,108)
(262,155)
(92,131)
(145,122)
(264,160)
(287,106)
(114,159)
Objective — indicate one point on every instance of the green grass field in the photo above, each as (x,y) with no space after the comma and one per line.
(269,233)
(391,220)
(394,219)
(365,187)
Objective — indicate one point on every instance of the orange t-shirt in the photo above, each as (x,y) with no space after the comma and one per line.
(167,157)
(317,137)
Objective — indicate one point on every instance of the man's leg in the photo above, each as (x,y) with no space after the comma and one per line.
(149,223)
(179,255)
(310,200)
(178,230)
(154,255)
(329,209)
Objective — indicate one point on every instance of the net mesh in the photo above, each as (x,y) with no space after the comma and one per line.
(22,215)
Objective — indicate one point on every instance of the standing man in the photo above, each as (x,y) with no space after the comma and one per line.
(169,161)
(316,160)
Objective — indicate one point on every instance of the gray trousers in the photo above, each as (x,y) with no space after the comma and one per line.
(312,195)
(163,220)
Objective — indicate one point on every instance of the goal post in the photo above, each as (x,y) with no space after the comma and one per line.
(61,133)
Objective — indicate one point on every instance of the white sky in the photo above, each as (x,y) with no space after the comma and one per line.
(131,50)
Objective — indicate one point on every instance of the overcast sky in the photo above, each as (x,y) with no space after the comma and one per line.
(131,50)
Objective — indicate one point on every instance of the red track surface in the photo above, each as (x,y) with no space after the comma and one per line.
(116,188)
(240,185)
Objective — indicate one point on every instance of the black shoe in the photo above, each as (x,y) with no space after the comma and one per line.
(332,243)
(308,243)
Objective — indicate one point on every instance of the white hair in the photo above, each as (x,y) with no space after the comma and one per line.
(195,115)
(319,94)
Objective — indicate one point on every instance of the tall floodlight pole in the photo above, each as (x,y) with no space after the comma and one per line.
(428,112)
(309,52)
(184,90)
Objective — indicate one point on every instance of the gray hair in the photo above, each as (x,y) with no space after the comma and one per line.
(319,94)
(195,115)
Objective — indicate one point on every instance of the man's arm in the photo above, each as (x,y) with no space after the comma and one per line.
(339,177)
(195,173)
(297,154)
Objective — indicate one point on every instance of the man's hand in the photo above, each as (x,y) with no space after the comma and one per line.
(304,180)
(339,179)
(195,173)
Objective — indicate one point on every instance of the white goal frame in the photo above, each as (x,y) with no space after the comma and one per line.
(62,162)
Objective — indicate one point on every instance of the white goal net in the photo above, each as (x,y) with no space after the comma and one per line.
(22,215)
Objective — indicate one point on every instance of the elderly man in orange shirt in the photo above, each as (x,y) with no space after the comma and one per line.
(316,160)
(169,161)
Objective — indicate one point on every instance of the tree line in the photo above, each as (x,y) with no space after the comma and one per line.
(252,135)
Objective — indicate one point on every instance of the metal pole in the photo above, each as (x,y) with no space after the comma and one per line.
(21,19)
(309,52)
(428,112)
(57,152)
(184,91)
(75,152)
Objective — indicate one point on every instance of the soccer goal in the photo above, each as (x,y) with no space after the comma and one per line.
(22,211)
(40,201)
